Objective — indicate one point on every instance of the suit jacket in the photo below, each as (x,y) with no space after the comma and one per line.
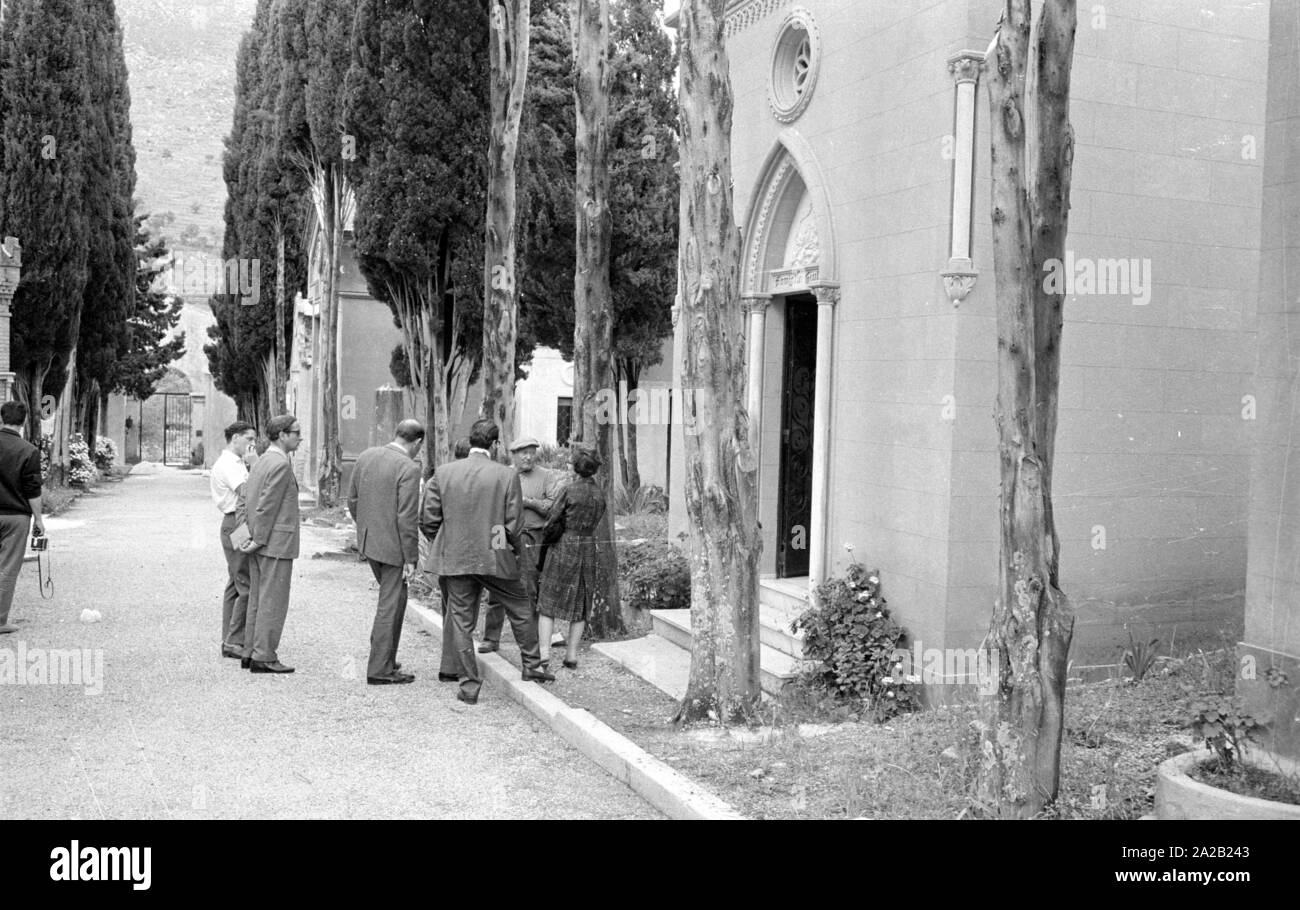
(384,498)
(270,504)
(473,513)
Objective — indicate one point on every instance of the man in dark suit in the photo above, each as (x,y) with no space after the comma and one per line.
(271,505)
(20,502)
(384,498)
(473,513)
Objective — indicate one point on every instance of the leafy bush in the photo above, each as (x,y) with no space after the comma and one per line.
(557,458)
(105,453)
(81,466)
(647,498)
(1225,728)
(654,575)
(851,635)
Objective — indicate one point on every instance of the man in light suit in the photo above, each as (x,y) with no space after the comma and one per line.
(473,513)
(271,506)
(384,498)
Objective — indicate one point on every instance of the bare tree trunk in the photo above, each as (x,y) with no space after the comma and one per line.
(1032,149)
(593,341)
(60,459)
(329,208)
(281,357)
(720,468)
(509,76)
(29,387)
(101,425)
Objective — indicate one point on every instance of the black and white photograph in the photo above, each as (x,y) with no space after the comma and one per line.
(621,410)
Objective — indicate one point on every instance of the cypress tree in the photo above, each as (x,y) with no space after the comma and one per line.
(45,105)
(109,299)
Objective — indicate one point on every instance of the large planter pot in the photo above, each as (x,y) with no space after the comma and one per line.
(1179,796)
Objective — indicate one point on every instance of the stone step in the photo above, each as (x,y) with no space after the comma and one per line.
(656,660)
(787,594)
(778,606)
(776,668)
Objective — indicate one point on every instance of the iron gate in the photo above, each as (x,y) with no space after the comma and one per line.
(176,429)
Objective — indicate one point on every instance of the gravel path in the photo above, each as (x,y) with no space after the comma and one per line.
(178,732)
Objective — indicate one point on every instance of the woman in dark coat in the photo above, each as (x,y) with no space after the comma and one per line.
(569,574)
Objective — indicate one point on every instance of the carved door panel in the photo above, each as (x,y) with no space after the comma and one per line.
(794,510)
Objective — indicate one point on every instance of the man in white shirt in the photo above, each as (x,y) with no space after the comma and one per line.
(228,476)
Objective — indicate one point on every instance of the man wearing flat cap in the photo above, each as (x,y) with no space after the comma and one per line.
(540,488)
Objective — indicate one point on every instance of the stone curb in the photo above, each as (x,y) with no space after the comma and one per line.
(668,790)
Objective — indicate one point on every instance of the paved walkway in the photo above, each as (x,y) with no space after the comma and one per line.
(179,732)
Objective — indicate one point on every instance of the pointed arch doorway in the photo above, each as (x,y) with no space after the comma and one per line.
(789,271)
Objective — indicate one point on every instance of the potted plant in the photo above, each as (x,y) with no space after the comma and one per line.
(1236,779)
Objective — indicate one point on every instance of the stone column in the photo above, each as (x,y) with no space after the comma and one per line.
(11,261)
(756,305)
(827,296)
(959,277)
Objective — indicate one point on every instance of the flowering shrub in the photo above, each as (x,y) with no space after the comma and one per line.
(849,631)
(105,453)
(81,467)
(46,446)
(654,575)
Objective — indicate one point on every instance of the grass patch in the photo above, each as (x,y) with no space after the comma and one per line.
(814,758)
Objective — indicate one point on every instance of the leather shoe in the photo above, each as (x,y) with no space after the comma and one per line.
(265,666)
(539,676)
(396,679)
(488,647)
(231,652)
(467,699)
(448,677)
(244,662)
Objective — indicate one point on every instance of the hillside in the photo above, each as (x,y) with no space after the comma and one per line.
(181,58)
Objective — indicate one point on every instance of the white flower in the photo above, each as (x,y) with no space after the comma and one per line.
(864,597)
(849,547)
(913,678)
(886,679)
(873,579)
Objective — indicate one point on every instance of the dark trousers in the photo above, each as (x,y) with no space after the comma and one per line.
(462,616)
(234,601)
(387,630)
(13,544)
(268,603)
(529,542)
(450,663)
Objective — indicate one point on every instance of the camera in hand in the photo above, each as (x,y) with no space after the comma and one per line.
(40,544)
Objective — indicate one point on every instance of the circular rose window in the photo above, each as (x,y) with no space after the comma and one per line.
(794,65)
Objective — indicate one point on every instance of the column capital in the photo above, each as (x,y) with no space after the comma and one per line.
(965,66)
(827,293)
(959,279)
(755,304)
